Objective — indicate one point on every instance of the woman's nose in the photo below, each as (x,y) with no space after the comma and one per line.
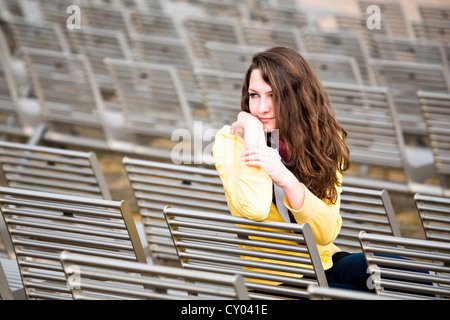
(265,105)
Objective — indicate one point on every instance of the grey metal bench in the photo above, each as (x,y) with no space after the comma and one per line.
(434,12)
(403,80)
(437,30)
(200,29)
(38,34)
(408,268)
(357,25)
(271,35)
(393,12)
(174,51)
(11,115)
(153,104)
(95,278)
(410,50)
(157,184)
(50,169)
(335,67)
(41,225)
(375,140)
(53,170)
(98,44)
(435,109)
(365,209)
(154,22)
(339,43)
(289,14)
(216,242)
(221,92)
(70,101)
(434,213)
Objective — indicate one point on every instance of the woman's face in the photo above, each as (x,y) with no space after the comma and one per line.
(260,101)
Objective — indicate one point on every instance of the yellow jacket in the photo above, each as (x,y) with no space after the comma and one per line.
(249,194)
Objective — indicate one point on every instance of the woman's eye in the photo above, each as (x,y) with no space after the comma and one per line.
(253,95)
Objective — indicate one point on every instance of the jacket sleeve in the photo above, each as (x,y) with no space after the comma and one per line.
(248,189)
(323,217)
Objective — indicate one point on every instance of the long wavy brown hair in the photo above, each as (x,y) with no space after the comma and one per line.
(307,125)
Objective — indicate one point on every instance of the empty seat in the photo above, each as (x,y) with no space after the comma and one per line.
(95,278)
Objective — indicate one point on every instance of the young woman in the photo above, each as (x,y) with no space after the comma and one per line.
(294,174)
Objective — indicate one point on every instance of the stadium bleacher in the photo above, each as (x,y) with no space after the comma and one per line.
(136,72)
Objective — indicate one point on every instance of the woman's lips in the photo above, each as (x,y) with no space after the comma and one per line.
(264,120)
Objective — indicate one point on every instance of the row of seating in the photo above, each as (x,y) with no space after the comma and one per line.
(120,109)
(48,207)
(223,250)
(185,220)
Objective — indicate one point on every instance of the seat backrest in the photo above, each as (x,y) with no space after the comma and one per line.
(339,43)
(368,115)
(434,12)
(271,35)
(152,22)
(391,11)
(169,50)
(436,111)
(202,29)
(52,170)
(285,14)
(91,277)
(403,80)
(357,25)
(434,213)
(231,57)
(278,260)
(151,97)
(38,34)
(96,45)
(335,67)
(11,116)
(405,267)
(365,209)
(157,184)
(410,50)
(41,225)
(221,92)
(438,30)
(69,97)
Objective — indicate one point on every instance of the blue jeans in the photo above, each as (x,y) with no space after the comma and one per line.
(349,271)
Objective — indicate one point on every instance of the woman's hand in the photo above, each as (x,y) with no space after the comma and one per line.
(250,128)
(245,120)
(267,159)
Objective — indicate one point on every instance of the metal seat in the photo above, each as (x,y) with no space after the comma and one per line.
(278,260)
(407,268)
(365,209)
(434,213)
(154,106)
(404,79)
(70,101)
(375,140)
(435,108)
(339,43)
(157,184)
(95,278)
(41,225)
